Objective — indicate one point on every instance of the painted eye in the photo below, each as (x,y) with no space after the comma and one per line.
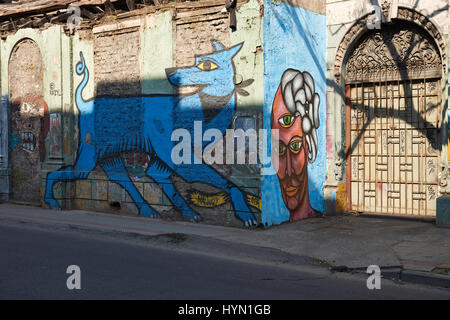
(281,149)
(295,146)
(207,65)
(286,120)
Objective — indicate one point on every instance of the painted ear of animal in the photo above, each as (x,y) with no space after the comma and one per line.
(235,49)
(231,51)
(217,45)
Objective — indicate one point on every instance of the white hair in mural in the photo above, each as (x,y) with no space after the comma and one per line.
(302,101)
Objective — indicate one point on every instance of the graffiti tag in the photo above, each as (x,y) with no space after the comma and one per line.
(53,91)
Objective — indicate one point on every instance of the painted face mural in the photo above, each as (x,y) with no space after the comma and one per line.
(29,126)
(28,129)
(295,113)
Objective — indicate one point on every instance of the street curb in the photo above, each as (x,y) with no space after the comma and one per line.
(393,274)
(194,243)
(272,255)
(426,278)
(399,274)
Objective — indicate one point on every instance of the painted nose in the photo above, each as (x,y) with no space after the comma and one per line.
(170,72)
(289,169)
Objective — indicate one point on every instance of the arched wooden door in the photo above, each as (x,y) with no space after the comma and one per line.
(28,122)
(393,98)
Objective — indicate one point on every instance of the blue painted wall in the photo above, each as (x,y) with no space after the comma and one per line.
(293,38)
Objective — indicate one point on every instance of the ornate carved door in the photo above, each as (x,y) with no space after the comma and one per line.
(393,97)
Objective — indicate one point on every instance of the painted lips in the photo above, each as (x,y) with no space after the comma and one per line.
(291,191)
(28,141)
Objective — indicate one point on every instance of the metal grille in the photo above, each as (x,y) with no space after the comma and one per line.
(393,98)
(393,147)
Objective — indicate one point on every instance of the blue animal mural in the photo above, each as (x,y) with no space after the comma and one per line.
(110,126)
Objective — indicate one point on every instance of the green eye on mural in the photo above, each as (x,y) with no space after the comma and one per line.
(295,146)
(281,149)
(207,65)
(286,120)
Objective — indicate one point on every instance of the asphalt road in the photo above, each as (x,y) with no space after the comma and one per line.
(33,265)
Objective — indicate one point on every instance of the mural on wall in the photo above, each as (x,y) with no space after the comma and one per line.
(295,113)
(29,127)
(28,121)
(112,126)
(294,91)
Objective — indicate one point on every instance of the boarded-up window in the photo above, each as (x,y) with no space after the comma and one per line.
(194,34)
(117,62)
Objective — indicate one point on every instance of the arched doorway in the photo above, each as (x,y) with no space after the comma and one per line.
(393,92)
(28,122)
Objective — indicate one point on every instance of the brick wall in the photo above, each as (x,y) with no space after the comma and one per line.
(117,62)
(195,38)
(26,125)
(26,66)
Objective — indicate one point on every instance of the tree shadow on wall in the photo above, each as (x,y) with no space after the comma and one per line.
(421,124)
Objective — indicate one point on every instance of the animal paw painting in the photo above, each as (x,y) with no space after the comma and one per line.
(111,126)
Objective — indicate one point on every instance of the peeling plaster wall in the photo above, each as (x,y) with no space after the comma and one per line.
(297,39)
(29,121)
(157,53)
(129,59)
(128,86)
(249,65)
(50,45)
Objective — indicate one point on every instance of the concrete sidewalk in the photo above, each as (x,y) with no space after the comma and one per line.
(415,248)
